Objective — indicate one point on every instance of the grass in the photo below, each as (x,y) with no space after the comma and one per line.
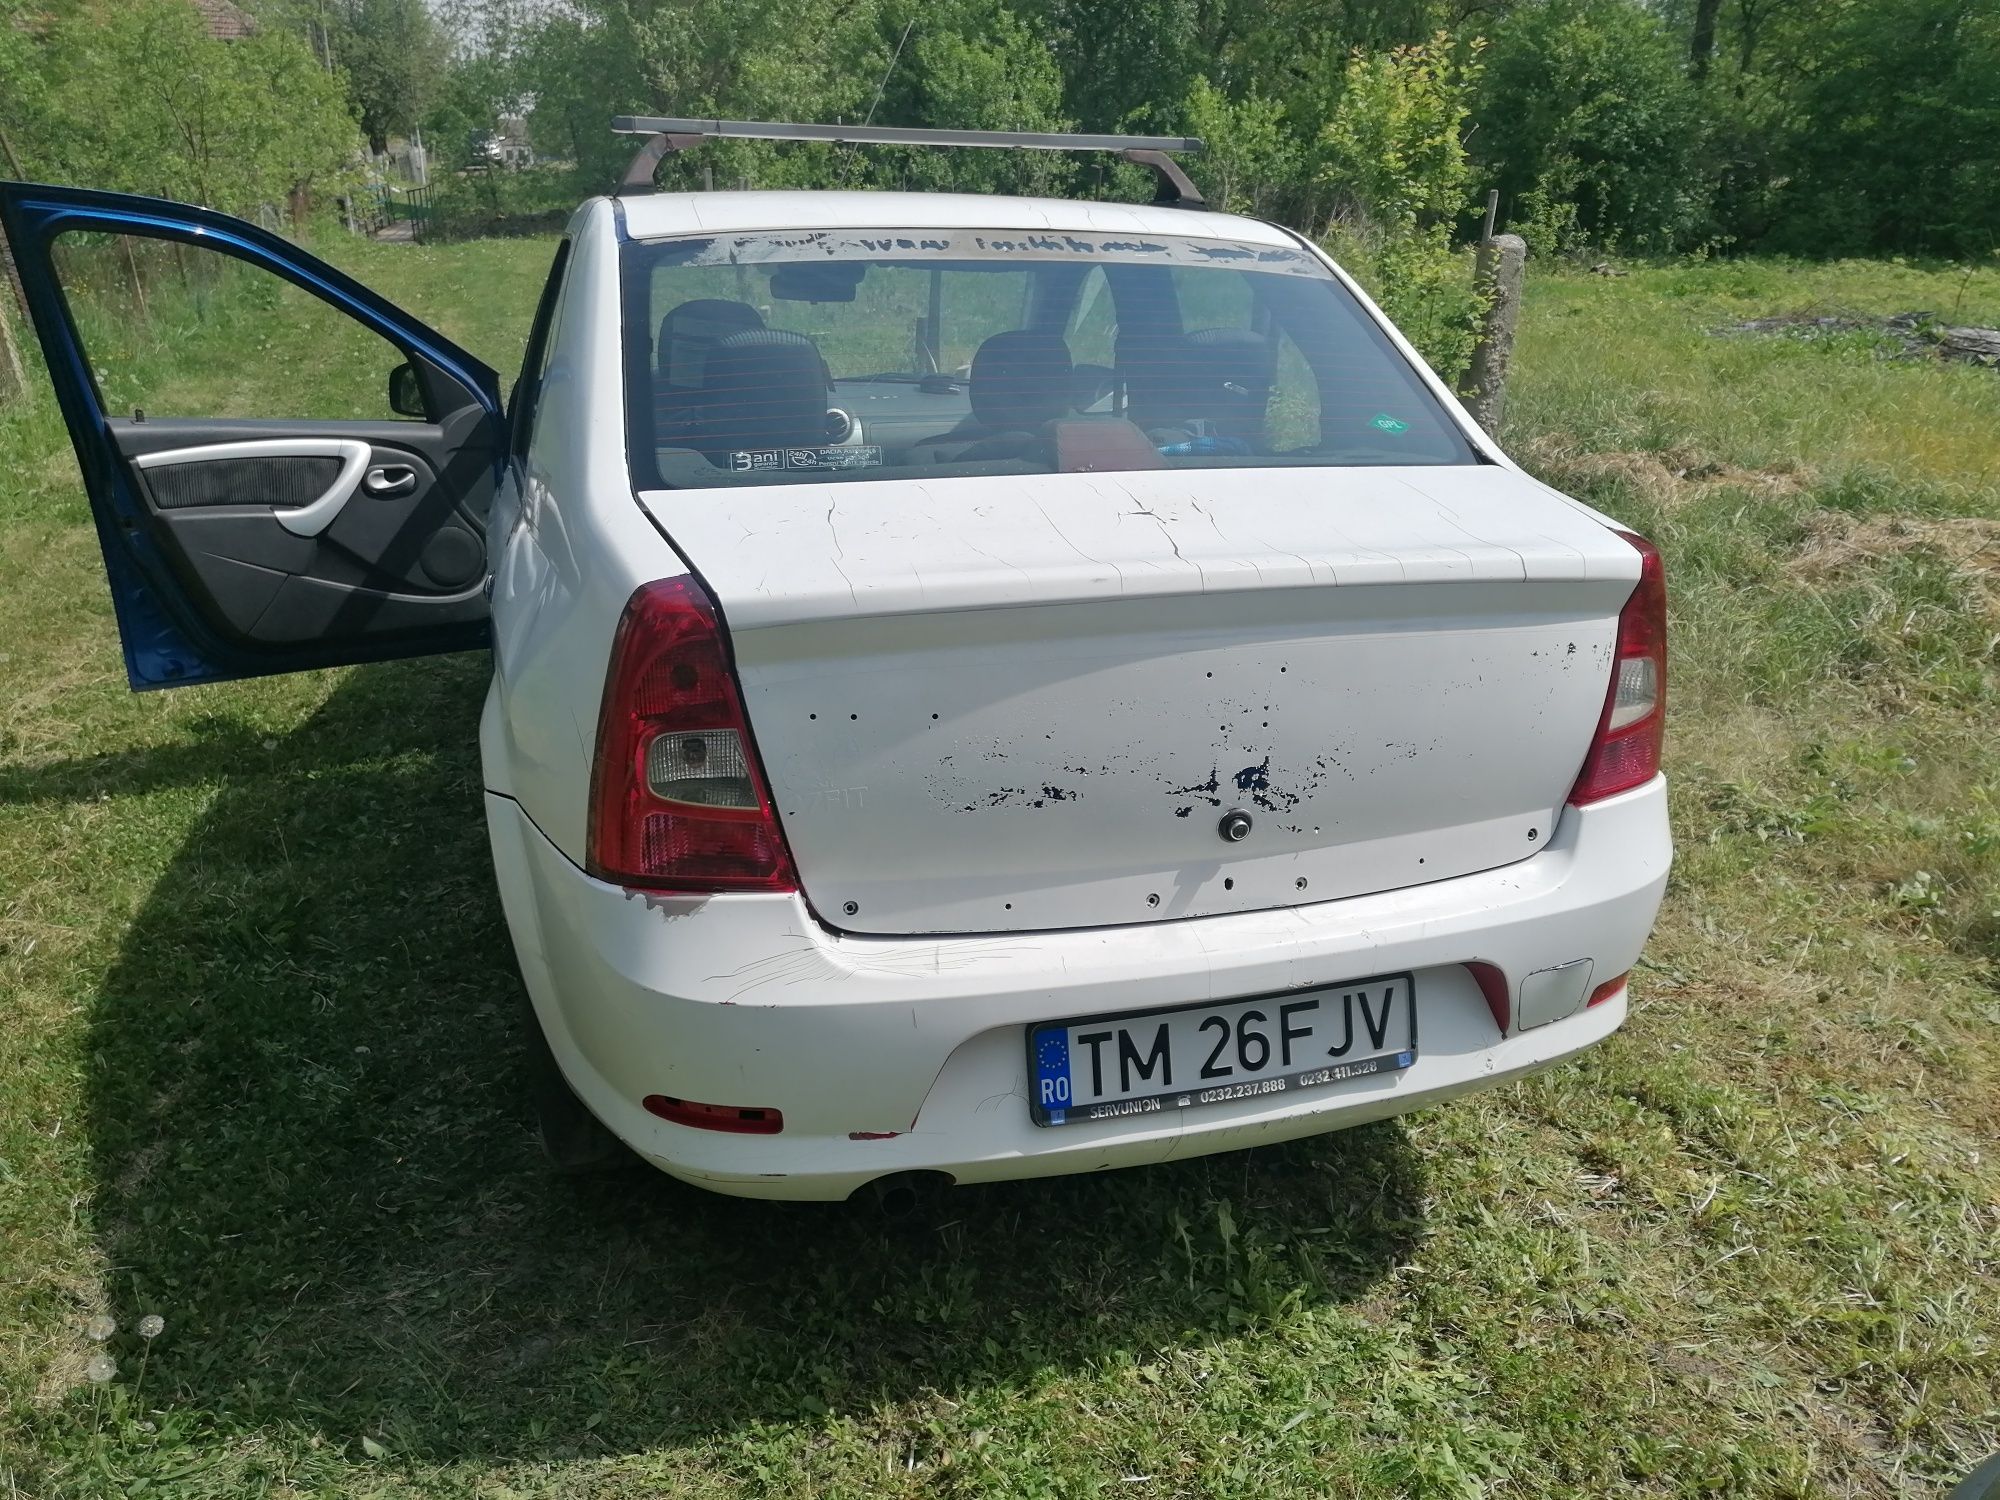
(259,1072)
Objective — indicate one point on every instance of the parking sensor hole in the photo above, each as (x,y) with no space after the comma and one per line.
(1229,885)
(850,907)
(1300,882)
(1153,899)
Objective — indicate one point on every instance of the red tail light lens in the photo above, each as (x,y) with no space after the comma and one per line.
(730,1119)
(1493,988)
(1626,751)
(677,799)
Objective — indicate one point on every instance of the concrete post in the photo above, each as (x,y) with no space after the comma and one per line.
(1502,264)
(13,379)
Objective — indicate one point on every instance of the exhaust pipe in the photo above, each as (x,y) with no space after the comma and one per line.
(901,1194)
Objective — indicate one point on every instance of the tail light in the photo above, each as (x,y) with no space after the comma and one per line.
(1626,751)
(677,799)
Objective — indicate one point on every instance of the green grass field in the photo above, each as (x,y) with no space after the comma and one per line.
(259,1072)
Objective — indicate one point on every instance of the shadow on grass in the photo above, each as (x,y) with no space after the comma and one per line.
(314,1159)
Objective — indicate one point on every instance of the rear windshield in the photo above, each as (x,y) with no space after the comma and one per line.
(777,358)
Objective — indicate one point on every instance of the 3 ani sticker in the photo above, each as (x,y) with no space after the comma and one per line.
(756,460)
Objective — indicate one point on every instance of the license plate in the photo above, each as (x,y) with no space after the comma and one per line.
(1151,1061)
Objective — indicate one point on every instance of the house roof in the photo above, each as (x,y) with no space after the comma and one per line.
(225,22)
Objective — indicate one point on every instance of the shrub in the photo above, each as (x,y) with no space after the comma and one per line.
(1592,130)
(1393,156)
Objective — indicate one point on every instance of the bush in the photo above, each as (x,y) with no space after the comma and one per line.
(468,204)
(192,117)
(1393,156)
(1251,156)
(1592,130)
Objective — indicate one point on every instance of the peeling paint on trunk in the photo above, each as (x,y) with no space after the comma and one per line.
(1000,703)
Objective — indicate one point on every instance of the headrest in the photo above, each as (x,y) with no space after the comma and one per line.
(1212,374)
(1234,353)
(765,388)
(1020,380)
(689,331)
(1161,374)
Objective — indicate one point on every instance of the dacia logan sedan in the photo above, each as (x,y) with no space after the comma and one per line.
(982,687)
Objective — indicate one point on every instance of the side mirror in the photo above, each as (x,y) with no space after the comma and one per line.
(406,392)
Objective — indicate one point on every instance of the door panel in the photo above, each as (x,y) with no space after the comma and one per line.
(316,527)
(266,526)
(305,480)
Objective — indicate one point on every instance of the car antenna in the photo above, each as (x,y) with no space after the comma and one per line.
(665,136)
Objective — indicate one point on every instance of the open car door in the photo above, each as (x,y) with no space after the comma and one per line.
(286,471)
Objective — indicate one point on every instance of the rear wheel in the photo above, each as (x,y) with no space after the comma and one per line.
(572,1139)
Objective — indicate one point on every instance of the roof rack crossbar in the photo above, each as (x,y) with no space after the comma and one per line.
(668,135)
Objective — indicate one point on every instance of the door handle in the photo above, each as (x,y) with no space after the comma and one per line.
(388,480)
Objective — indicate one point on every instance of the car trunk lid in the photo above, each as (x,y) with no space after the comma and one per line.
(1017,703)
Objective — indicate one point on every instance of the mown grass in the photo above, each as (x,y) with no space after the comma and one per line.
(258,1071)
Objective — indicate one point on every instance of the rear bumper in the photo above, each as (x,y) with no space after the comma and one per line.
(891,1055)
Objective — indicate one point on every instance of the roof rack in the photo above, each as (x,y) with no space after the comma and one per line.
(667,136)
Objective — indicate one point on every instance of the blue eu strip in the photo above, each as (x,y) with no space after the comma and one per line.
(1052,1072)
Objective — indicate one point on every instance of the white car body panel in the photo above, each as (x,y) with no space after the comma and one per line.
(569,546)
(1011,704)
(893,1053)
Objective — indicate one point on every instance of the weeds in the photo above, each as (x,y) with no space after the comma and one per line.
(258,1077)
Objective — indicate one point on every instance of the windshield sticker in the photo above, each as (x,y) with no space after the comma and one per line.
(769,248)
(1386,423)
(759,460)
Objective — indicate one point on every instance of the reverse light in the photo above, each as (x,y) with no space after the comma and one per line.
(677,799)
(731,1119)
(1626,750)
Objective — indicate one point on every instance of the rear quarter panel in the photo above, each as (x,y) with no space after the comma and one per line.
(570,547)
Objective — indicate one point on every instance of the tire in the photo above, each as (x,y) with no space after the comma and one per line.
(573,1140)
(1983,1483)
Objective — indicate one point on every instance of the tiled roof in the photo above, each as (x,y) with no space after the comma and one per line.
(226,22)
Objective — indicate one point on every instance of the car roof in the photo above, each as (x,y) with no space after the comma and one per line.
(658,215)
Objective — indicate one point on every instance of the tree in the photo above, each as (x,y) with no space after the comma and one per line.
(27,34)
(395,57)
(1127,66)
(1591,129)
(1895,138)
(1393,155)
(233,125)
(974,65)
(1701,43)
(1253,155)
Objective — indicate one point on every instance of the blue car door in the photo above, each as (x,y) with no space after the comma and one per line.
(286,471)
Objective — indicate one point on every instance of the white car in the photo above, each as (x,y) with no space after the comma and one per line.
(982,687)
